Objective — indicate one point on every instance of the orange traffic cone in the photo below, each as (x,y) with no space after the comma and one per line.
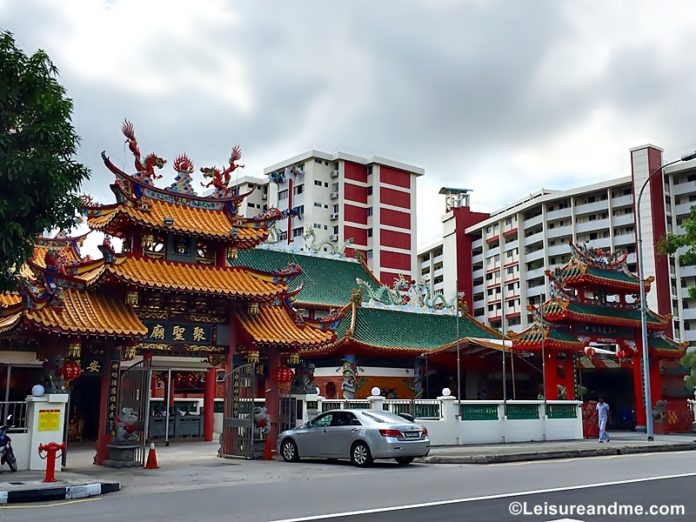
(151,462)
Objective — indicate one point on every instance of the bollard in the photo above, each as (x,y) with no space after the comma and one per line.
(51,449)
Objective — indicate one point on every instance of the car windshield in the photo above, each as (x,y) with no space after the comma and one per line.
(384,417)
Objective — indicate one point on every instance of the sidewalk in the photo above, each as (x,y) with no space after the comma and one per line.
(622,443)
(28,486)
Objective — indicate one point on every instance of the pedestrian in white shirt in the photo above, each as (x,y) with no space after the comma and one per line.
(602,418)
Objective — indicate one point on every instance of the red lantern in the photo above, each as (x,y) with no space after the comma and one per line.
(283,375)
(621,354)
(71,370)
(590,352)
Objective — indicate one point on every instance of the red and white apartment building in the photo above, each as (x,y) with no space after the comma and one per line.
(371,201)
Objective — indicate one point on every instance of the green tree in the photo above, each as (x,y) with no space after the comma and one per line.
(39,177)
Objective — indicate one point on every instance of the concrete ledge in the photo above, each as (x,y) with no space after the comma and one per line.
(42,493)
(557,454)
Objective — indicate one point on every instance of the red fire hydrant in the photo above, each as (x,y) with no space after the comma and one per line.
(51,449)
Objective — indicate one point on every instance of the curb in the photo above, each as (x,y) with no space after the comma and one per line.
(561,454)
(71,492)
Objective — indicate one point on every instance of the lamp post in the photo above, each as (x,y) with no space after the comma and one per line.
(647,398)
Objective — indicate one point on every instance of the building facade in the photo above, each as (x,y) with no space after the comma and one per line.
(367,204)
(256,202)
(508,251)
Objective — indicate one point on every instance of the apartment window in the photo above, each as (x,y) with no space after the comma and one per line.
(369,232)
(510,270)
(593,235)
(369,211)
(283,236)
(297,232)
(317,204)
(369,170)
(335,209)
(334,187)
(326,184)
(335,229)
(282,194)
(298,189)
(369,254)
(251,205)
(316,226)
(325,227)
(369,191)
(317,182)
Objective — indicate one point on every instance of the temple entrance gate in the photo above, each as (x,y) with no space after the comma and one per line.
(132,414)
(238,427)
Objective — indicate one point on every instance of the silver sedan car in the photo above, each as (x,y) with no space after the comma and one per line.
(358,435)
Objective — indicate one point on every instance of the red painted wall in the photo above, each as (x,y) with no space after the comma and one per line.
(359,235)
(388,278)
(395,239)
(395,197)
(355,214)
(355,193)
(395,260)
(464,218)
(355,171)
(392,176)
(395,218)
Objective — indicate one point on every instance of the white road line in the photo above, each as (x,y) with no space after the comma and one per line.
(487,497)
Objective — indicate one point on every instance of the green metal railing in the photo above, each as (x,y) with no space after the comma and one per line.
(561,411)
(478,411)
(522,411)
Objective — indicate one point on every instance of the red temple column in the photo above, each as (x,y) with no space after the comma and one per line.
(104,433)
(272,402)
(208,404)
(551,376)
(655,380)
(569,376)
(638,390)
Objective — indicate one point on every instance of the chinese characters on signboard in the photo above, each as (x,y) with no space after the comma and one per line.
(112,403)
(179,332)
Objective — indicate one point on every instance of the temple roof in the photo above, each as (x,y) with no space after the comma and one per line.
(324,281)
(553,337)
(87,313)
(579,273)
(185,277)
(558,309)
(273,324)
(376,331)
(9,299)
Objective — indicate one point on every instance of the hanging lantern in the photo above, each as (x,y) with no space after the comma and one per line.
(74,350)
(252,356)
(71,370)
(621,354)
(294,359)
(283,375)
(590,352)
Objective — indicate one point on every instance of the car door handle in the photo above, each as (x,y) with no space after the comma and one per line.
(325,430)
(355,430)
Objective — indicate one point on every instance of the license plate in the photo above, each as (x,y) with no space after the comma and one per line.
(412,434)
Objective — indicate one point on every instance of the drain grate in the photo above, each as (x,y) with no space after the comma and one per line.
(16,483)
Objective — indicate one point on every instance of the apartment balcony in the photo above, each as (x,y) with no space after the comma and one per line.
(690,336)
(556,232)
(536,291)
(622,201)
(531,222)
(683,188)
(601,242)
(478,288)
(689,314)
(479,304)
(592,226)
(624,239)
(687,271)
(623,219)
(493,251)
(478,274)
(683,209)
(533,274)
(509,245)
(561,213)
(478,258)
(534,238)
(557,250)
(591,208)
(533,256)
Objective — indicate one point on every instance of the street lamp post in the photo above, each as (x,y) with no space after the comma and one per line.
(647,398)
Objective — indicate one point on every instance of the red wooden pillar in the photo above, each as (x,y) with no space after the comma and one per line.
(551,377)
(638,390)
(655,380)
(569,376)
(208,405)
(272,402)
(104,433)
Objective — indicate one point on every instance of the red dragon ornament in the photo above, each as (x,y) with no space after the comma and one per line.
(221,179)
(145,170)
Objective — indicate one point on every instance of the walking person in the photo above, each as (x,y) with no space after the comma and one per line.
(602,418)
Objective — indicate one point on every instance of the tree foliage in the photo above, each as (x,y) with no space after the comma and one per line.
(39,178)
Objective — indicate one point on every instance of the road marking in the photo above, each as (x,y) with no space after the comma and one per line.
(51,504)
(475,499)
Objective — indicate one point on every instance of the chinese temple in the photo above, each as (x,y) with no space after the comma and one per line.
(171,293)
(589,333)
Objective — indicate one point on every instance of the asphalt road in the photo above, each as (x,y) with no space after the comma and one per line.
(264,491)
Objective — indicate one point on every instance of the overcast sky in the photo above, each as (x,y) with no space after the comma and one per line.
(502,97)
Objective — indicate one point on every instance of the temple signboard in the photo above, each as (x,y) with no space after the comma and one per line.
(179,332)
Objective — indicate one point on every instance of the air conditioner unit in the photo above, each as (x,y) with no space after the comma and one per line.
(334,195)
(334,237)
(334,173)
(334,216)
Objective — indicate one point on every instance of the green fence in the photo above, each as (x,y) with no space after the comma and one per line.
(561,411)
(521,411)
(478,411)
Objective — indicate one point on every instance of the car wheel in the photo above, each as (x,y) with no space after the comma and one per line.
(360,455)
(404,461)
(289,451)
